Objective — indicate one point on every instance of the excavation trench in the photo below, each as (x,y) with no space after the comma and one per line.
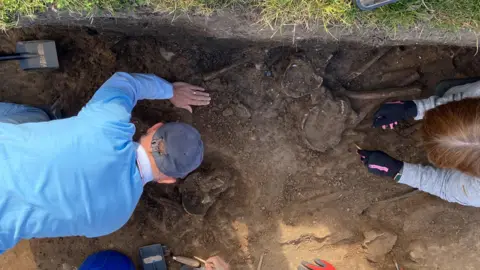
(280,139)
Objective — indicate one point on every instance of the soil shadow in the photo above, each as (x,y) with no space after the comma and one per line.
(288,202)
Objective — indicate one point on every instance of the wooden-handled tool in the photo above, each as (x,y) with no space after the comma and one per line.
(200,259)
(187,261)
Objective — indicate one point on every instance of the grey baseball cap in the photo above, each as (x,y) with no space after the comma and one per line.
(177,149)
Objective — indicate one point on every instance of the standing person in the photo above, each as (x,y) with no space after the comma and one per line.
(451,134)
(83,175)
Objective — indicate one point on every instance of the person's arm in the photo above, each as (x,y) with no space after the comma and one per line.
(456,93)
(450,185)
(117,97)
(391,113)
(423,105)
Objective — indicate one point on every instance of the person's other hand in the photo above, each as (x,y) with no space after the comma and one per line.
(186,95)
(216,263)
(391,113)
(379,163)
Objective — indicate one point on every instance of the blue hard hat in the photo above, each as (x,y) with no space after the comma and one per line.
(107,260)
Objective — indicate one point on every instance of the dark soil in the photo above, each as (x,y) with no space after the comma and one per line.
(202,188)
(286,201)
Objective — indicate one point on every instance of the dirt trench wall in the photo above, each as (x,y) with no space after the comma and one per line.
(228,24)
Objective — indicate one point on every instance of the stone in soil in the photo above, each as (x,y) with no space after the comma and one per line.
(417,251)
(227,112)
(378,244)
(299,79)
(242,111)
(323,125)
(201,189)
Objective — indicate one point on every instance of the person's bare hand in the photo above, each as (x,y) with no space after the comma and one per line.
(216,263)
(186,95)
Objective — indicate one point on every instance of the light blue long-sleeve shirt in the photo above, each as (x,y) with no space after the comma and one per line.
(76,176)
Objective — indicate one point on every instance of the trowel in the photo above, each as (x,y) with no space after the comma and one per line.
(36,54)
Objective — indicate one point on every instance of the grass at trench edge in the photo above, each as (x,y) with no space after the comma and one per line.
(446,14)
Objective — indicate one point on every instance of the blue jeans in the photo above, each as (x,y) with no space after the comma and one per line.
(18,114)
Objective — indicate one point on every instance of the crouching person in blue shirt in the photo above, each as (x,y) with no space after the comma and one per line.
(83,175)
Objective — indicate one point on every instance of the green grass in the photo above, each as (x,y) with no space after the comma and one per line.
(202,7)
(451,14)
(306,12)
(11,9)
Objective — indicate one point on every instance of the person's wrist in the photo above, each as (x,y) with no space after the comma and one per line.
(411,109)
(169,90)
(398,170)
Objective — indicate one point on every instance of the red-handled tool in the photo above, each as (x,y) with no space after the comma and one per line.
(319,265)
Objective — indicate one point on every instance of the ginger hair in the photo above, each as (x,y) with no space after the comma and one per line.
(451,134)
